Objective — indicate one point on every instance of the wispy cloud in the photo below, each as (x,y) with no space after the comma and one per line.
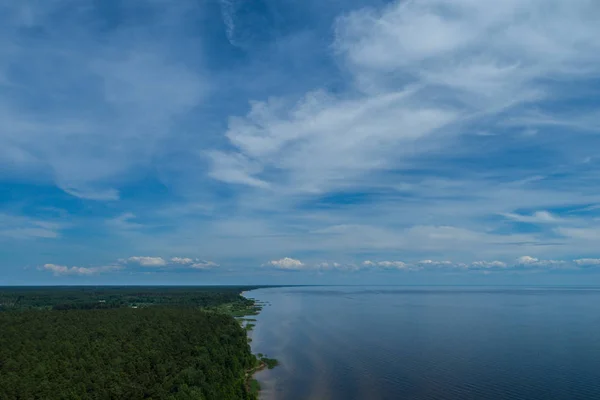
(21,227)
(195,263)
(60,270)
(203,264)
(110,101)
(485,61)
(81,192)
(580,234)
(540,217)
(426,131)
(228,9)
(124,222)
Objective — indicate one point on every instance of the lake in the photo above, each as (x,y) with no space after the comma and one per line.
(428,343)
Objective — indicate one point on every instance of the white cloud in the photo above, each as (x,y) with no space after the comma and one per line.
(236,168)
(488,264)
(580,234)
(334,266)
(400,265)
(415,75)
(527,260)
(424,265)
(392,264)
(537,217)
(82,271)
(275,134)
(187,262)
(286,263)
(434,263)
(182,260)
(201,264)
(148,261)
(478,48)
(120,96)
(426,238)
(369,263)
(21,227)
(228,10)
(421,73)
(587,261)
(593,207)
(124,222)
(440,264)
(143,261)
(83,193)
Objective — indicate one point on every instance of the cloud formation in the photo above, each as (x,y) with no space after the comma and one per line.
(111,101)
(60,270)
(488,264)
(182,260)
(174,262)
(148,261)
(434,263)
(446,265)
(588,261)
(484,60)
(151,262)
(286,263)
(291,264)
(540,217)
(527,260)
(21,227)
(387,264)
(425,131)
(203,264)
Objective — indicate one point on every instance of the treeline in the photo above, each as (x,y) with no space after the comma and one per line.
(105,297)
(123,353)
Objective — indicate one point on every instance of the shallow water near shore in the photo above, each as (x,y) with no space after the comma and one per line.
(429,343)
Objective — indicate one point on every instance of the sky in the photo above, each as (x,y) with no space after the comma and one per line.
(299,142)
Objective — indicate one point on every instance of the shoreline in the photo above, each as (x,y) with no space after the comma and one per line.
(253,386)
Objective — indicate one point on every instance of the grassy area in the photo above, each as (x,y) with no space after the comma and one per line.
(240,308)
(254,387)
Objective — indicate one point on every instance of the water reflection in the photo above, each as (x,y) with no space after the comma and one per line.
(429,343)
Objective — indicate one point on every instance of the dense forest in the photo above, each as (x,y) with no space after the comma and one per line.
(101,297)
(158,343)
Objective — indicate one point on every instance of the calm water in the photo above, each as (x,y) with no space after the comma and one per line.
(430,343)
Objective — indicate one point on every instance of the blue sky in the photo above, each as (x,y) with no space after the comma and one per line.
(278,141)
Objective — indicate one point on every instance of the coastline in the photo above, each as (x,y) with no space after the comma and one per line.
(262,361)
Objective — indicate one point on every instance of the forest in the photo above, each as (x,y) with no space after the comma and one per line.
(137,343)
(102,297)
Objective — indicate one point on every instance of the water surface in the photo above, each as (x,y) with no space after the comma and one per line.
(428,343)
